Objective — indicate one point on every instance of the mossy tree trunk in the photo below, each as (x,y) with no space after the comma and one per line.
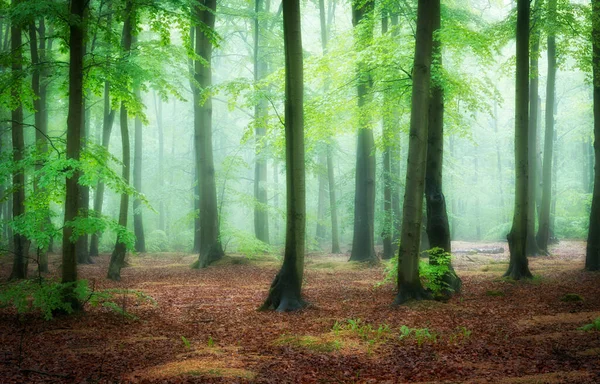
(592,259)
(409,283)
(438,228)
(138,223)
(517,238)
(363,241)
(211,249)
(285,293)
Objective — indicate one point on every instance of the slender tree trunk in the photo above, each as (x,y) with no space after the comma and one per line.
(196,184)
(37,57)
(285,293)
(409,284)
(335,242)
(261,214)
(321,233)
(138,223)
(20,242)
(81,248)
(438,227)
(388,134)
(74,122)
(363,242)
(532,248)
(499,165)
(117,259)
(592,257)
(107,124)
(161,160)
(543,235)
(477,210)
(210,242)
(517,238)
(276,200)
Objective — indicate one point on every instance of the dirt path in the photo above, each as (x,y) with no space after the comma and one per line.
(205,327)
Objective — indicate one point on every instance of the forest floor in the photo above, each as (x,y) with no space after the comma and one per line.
(205,326)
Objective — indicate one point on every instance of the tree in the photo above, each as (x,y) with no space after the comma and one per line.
(117,259)
(210,241)
(532,248)
(20,242)
(261,214)
(592,257)
(517,238)
(74,122)
(543,234)
(138,224)
(438,228)
(409,284)
(285,293)
(363,242)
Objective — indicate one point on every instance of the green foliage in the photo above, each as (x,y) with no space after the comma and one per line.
(47,297)
(157,241)
(210,342)
(494,293)
(244,242)
(364,331)
(432,275)
(186,342)
(593,326)
(421,335)
(571,298)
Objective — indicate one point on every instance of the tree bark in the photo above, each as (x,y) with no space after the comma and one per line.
(409,284)
(117,259)
(543,235)
(261,214)
(81,247)
(438,228)
(210,243)
(138,223)
(285,293)
(592,257)
(74,123)
(517,238)
(161,160)
(532,248)
(20,242)
(335,242)
(363,242)
(107,124)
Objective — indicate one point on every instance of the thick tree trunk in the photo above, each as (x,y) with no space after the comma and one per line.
(438,228)
(261,214)
(532,248)
(138,223)
(117,259)
(543,235)
(335,242)
(74,123)
(517,238)
(363,242)
(592,257)
(285,293)
(210,242)
(20,242)
(409,284)
(107,124)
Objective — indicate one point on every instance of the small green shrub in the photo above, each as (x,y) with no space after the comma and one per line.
(421,335)
(594,326)
(494,293)
(186,342)
(571,298)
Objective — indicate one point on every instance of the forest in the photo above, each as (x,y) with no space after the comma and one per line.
(299,191)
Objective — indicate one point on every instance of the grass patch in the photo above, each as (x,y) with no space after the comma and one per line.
(494,293)
(311,343)
(198,367)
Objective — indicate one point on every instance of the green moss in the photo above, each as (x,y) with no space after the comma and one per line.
(571,298)
(494,293)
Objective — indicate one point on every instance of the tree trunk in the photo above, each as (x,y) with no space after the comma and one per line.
(107,124)
(321,233)
(210,242)
(117,259)
(74,123)
(20,242)
(363,242)
(285,293)
(196,184)
(438,228)
(543,235)
(138,224)
(161,160)
(409,284)
(532,248)
(81,248)
(499,165)
(261,214)
(39,101)
(517,238)
(335,242)
(592,257)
